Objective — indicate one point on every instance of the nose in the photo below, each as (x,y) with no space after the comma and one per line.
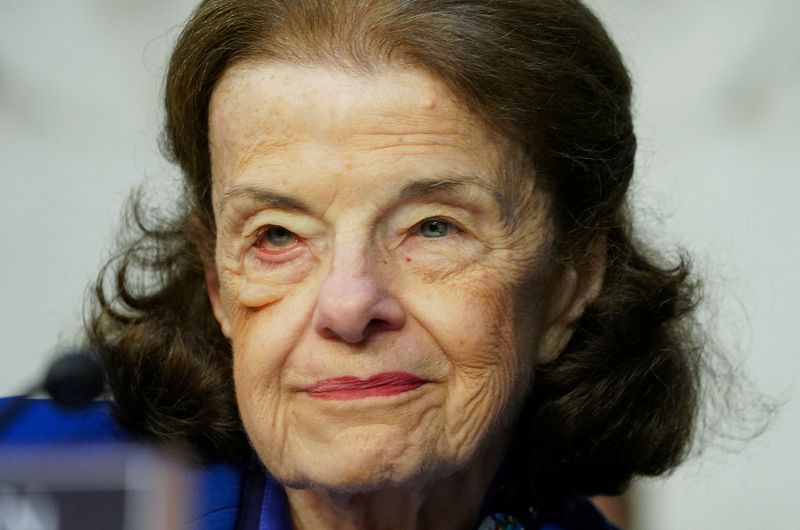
(353,305)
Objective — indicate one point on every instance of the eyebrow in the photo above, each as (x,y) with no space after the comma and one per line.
(415,190)
(421,189)
(264,197)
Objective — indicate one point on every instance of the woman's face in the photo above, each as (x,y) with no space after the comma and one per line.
(384,305)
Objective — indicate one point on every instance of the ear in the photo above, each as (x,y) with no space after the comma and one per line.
(576,286)
(213,289)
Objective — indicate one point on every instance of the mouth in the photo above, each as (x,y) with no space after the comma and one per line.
(349,387)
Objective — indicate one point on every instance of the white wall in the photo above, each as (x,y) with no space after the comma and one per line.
(80,89)
(718,113)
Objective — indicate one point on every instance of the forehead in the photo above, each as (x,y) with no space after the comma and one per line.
(275,87)
(309,122)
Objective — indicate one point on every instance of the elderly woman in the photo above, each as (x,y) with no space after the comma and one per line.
(401,288)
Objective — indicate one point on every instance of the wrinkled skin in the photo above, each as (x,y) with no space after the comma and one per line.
(362,228)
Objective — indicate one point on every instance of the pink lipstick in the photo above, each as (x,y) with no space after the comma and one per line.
(349,387)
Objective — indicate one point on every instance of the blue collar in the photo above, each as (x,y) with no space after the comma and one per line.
(263,504)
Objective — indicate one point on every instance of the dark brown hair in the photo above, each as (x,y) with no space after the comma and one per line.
(621,400)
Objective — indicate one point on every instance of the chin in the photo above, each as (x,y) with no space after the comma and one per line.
(356,480)
(358,466)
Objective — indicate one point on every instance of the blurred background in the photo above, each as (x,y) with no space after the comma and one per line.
(718,116)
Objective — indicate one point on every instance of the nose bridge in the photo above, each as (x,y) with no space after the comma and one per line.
(352,258)
(354,300)
(351,280)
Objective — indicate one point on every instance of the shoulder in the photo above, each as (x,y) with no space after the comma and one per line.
(39,422)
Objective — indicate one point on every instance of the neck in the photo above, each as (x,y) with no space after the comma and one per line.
(449,503)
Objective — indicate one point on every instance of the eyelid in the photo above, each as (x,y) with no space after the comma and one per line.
(258,232)
(299,224)
(262,232)
(444,218)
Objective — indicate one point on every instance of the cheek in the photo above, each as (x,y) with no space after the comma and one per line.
(491,363)
(262,342)
(250,282)
(481,318)
(258,357)
(256,299)
(441,262)
(487,360)
(263,337)
(266,319)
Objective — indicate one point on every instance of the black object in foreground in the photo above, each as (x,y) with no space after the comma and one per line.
(72,381)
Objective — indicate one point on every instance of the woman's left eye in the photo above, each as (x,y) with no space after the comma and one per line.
(276,238)
(434,228)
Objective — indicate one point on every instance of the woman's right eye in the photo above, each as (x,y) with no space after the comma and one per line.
(276,238)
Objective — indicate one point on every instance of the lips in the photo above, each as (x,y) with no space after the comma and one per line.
(349,387)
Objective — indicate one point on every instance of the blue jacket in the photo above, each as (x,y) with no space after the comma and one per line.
(239,498)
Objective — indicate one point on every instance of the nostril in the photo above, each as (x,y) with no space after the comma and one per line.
(375,325)
(328,333)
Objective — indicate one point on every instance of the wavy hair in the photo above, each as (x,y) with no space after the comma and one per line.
(620,401)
